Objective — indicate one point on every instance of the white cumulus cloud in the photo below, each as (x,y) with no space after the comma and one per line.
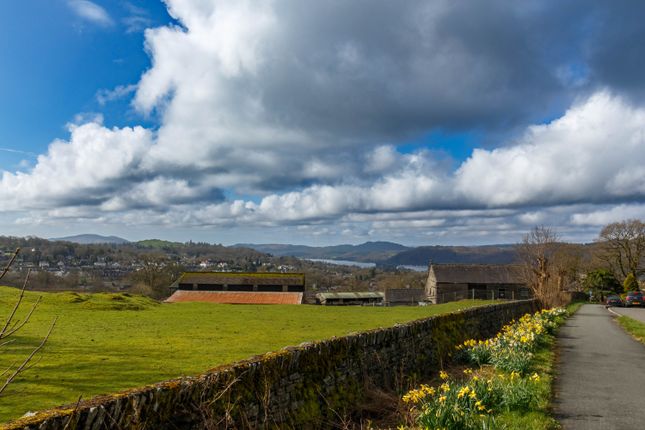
(91,12)
(287,113)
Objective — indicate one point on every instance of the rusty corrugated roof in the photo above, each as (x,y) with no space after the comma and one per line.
(236,297)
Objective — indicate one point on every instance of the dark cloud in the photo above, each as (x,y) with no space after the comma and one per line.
(616,52)
(300,107)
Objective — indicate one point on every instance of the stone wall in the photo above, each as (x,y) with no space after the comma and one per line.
(309,386)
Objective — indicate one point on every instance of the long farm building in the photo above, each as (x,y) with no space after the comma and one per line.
(239,288)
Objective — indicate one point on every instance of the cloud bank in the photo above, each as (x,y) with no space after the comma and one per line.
(276,113)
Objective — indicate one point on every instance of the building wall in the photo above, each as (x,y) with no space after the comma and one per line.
(431,286)
(309,386)
(404,296)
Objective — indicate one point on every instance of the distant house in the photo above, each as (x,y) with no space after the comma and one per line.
(404,296)
(449,282)
(239,288)
(350,298)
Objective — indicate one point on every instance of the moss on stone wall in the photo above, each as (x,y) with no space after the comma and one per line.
(300,387)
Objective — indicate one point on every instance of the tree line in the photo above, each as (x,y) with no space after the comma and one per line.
(615,265)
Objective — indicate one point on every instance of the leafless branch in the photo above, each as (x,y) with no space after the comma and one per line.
(29,357)
(8,327)
(8,266)
(8,369)
(12,325)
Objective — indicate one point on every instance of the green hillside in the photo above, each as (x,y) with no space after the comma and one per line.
(108,342)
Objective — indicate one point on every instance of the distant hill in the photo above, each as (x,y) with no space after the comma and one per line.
(90,239)
(158,244)
(394,254)
(423,255)
(366,252)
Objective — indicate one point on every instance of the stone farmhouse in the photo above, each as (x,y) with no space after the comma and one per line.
(450,282)
(239,288)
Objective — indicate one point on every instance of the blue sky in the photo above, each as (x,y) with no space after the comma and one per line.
(278,121)
(55,61)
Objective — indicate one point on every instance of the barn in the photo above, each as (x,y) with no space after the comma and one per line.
(450,282)
(239,288)
(404,296)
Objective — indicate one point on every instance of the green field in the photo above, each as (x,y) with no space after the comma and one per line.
(104,343)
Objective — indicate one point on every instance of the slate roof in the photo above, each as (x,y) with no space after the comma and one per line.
(236,297)
(242,278)
(350,295)
(478,274)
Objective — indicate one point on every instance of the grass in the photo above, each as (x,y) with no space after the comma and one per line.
(544,362)
(524,402)
(105,343)
(633,327)
(540,418)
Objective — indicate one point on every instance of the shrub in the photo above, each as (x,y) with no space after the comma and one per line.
(473,403)
(630,283)
(511,350)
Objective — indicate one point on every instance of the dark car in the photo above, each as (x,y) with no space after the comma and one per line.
(614,301)
(634,298)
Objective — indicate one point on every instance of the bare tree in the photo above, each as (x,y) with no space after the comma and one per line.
(567,263)
(622,248)
(13,324)
(156,274)
(538,251)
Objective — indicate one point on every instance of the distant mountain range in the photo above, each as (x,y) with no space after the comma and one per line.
(387,254)
(91,239)
(366,252)
(394,254)
(423,255)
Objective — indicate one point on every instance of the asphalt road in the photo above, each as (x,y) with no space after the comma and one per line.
(636,313)
(601,374)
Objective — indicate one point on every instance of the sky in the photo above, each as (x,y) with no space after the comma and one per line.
(234,121)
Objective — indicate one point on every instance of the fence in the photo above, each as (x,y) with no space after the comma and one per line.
(452,296)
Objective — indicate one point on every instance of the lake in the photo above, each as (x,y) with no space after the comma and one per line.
(343,262)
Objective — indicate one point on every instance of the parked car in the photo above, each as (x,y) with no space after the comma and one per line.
(634,298)
(614,301)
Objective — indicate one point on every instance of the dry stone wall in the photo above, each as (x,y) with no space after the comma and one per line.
(308,386)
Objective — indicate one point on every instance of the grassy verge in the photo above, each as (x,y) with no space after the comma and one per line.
(544,362)
(633,327)
(539,418)
(573,307)
(510,386)
(110,342)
